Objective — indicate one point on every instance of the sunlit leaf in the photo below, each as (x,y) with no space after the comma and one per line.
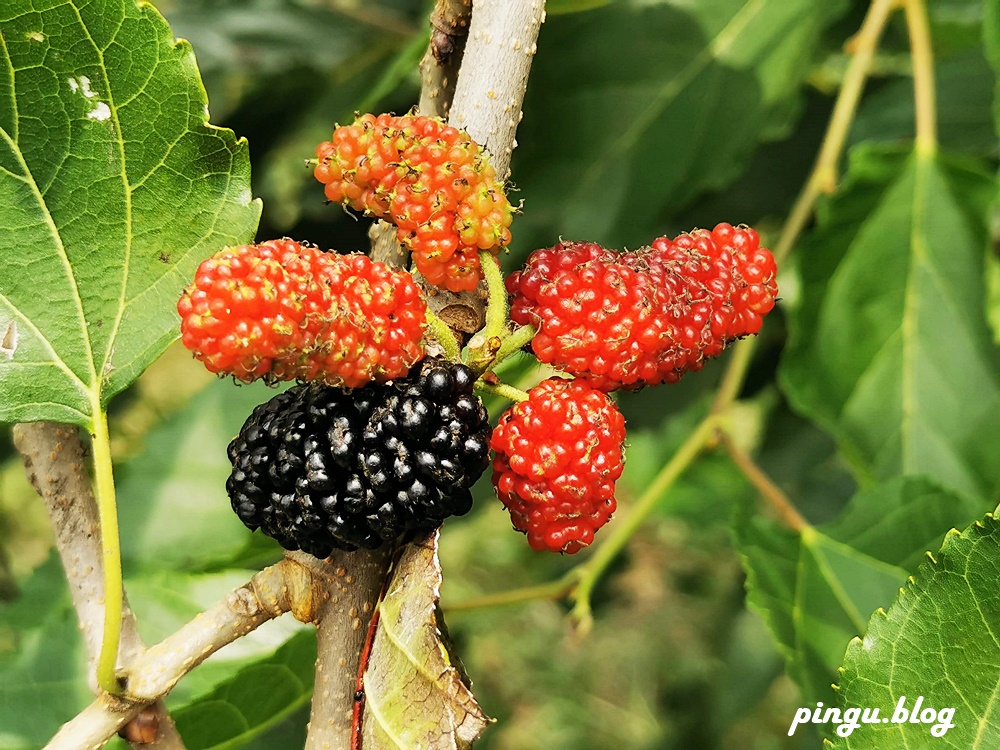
(112,189)
(890,340)
(817,589)
(940,642)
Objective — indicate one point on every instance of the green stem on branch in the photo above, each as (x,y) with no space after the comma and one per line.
(772,494)
(557,589)
(111,552)
(496,305)
(508,392)
(443,335)
(482,355)
(922,55)
(517,339)
(822,179)
(595,567)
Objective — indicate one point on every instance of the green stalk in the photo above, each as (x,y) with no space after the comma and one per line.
(512,343)
(443,335)
(496,304)
(626,527)
(111,552)
(508,392)
(483,355)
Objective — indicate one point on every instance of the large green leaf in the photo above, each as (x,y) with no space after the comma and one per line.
(940,640)
(890,342)
(965,84)
(816,590)
(43,665)
(260,697)
(173,507)
(112,189)
(43,672)
(636,108)
(991,41)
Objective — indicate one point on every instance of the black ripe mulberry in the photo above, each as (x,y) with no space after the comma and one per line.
(320,468)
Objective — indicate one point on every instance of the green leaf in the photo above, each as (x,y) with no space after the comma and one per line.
(43,672)
(556,7)
(414,695)
(890,339)
(258,698)
(173,508)
(816,590)
(620,126)
(991,42)
(956,25)
(940,640)
(964,88)
(112,189)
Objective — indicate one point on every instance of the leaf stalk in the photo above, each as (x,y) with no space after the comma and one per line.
(107,511)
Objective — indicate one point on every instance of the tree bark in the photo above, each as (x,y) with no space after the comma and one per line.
(351,583)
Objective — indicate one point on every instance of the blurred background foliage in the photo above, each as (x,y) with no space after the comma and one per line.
(642,118)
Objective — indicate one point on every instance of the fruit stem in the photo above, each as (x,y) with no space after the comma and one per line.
(496,304)
(607,551)
(553,590)
(771,493)
(822,179)
(110,550)
(518,338)
(863,47)
(922,55)
(508,392)
(443,335)
(483,354)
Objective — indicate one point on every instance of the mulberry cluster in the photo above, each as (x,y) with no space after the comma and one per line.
(625,320)
(285,311)
(431,180)
(558,455)
(319,468)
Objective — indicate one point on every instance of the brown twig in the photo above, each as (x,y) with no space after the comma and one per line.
(54,460)
(492,123)
(286,586)
(922,55)
(490,90)
(488,94)
(439,67)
